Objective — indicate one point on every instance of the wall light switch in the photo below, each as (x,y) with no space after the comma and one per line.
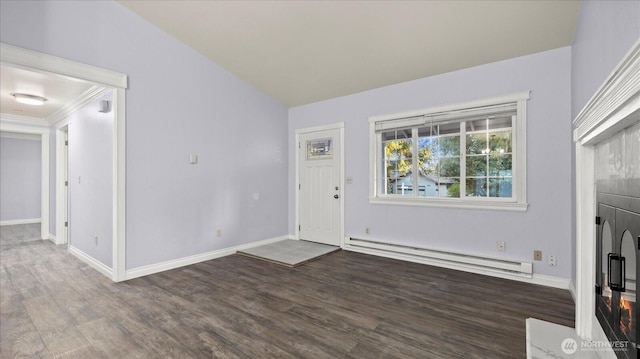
(193,159)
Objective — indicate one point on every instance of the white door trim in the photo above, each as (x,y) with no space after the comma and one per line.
(62,168)
(44,181)
(36,61)
(300,131)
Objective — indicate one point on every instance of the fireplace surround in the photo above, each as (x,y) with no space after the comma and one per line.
(607,156)
(617,252)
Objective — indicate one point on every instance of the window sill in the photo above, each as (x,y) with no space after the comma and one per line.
(461,204)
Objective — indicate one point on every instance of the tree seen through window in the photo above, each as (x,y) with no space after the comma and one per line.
(485,168)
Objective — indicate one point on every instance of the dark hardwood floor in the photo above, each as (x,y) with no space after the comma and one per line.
(345,305)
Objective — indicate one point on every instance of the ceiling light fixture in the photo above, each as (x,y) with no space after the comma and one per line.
(29,99)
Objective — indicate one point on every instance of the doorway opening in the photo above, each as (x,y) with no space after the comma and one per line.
(47,64)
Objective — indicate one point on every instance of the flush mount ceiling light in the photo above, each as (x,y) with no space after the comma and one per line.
(29,99)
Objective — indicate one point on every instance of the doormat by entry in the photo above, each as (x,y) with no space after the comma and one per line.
(289,252)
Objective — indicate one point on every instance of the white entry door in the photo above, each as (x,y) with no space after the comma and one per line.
(319,190)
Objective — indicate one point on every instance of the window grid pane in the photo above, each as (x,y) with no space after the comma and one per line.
(439,160)
(488,160)
(397,163)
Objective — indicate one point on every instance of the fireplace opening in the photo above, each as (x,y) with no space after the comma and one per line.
(617,252)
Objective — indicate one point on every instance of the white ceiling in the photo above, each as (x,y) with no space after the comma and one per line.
(59,91)
(300,52)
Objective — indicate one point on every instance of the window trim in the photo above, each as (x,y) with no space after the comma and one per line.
(519,200)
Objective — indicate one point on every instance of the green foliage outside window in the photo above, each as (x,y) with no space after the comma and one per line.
(487,159)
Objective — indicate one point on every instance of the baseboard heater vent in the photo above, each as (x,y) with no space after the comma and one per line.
(465,262)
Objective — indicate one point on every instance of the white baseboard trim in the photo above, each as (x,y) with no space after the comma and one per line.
(548,281)
(54,239)
(181,262)
(572,290)
(20,221)
(539,279)
(92,262)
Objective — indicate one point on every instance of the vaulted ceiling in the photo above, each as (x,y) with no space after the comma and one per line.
(300,52)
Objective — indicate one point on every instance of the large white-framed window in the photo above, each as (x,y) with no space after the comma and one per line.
(468,155)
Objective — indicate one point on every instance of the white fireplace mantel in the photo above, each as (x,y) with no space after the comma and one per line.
(614,107)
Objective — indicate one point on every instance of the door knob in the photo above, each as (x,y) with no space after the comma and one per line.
(336,196)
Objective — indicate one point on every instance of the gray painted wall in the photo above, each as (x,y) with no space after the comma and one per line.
(178,103)
(20,178)
(547,223)
(605,32)
(91,181)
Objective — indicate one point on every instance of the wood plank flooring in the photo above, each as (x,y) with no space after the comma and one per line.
(346,305)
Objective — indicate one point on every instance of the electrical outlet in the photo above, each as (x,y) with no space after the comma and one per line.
(537,255)
(366,230)
(501,245)
(349,180)
(218,232)
(551,260)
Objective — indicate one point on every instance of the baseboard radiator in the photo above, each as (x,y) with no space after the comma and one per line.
(465,262)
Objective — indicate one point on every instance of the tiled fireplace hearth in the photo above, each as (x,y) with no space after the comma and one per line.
(607,144)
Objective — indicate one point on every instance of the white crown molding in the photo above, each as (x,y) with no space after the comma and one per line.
(22,128)
(21,136)
(77,104)
(34,60)
(24,119)
(616,99)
